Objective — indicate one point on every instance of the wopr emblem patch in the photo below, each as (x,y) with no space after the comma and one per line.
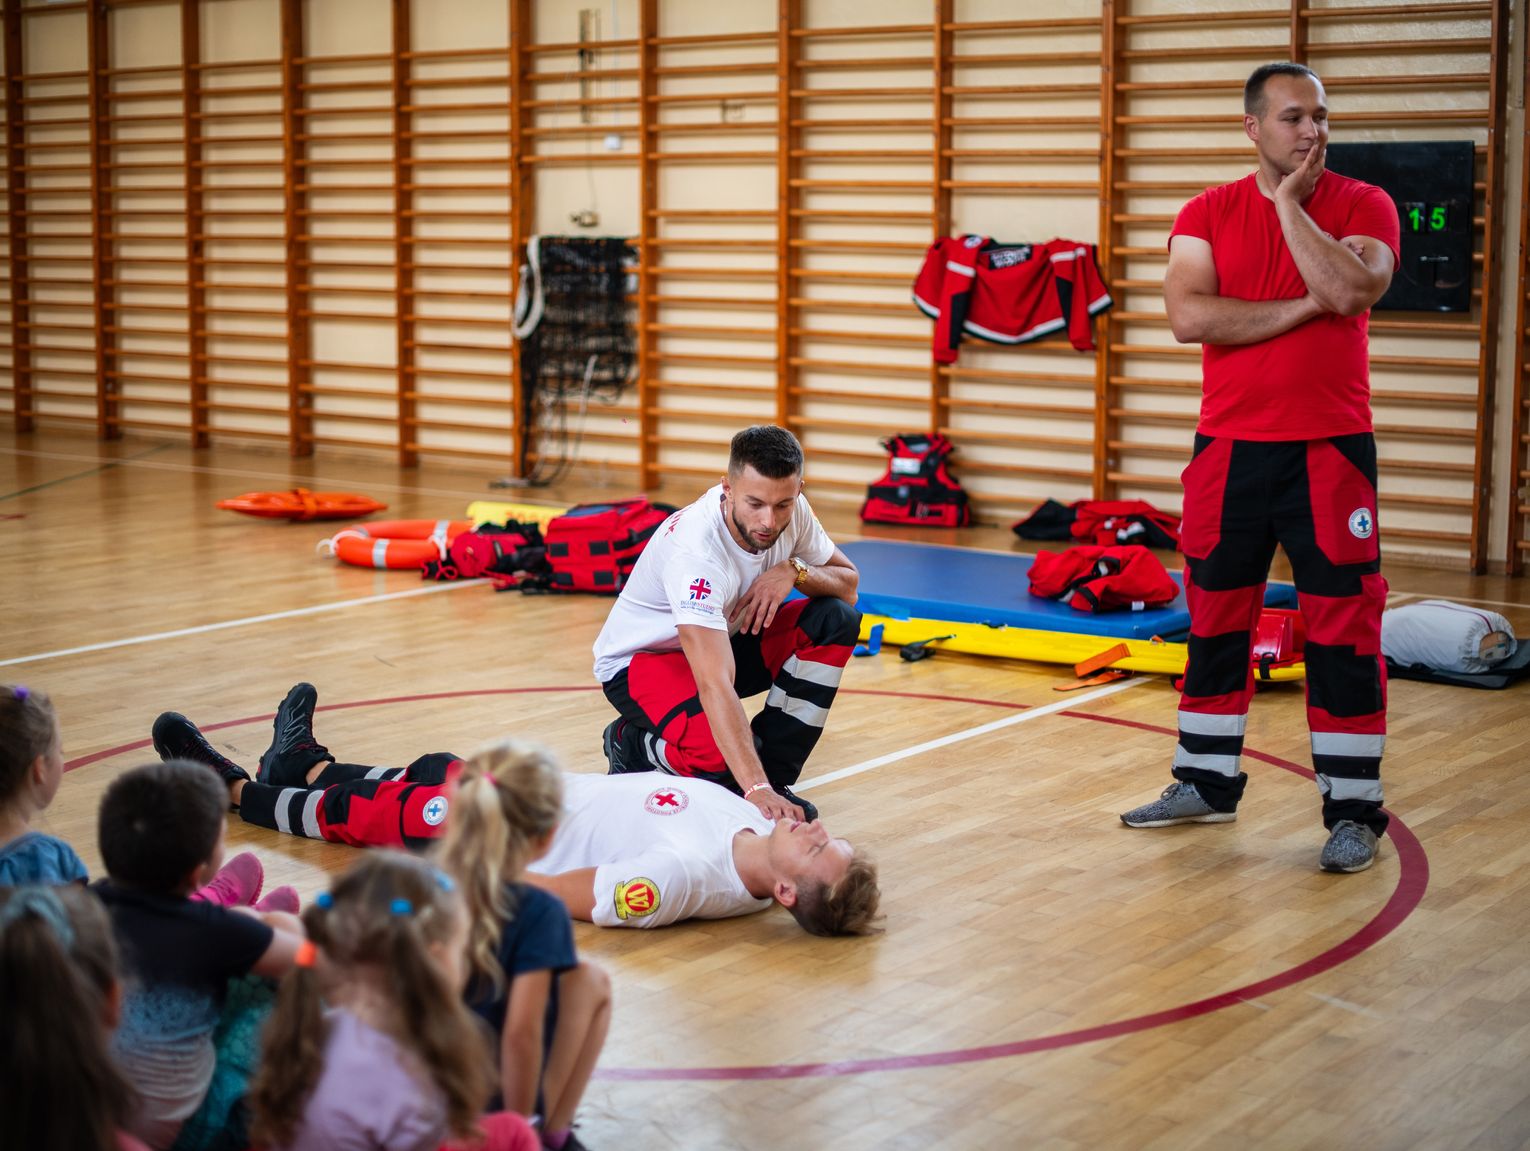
(636,898)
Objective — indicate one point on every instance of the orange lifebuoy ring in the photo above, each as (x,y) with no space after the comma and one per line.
(302,504)
(397,544)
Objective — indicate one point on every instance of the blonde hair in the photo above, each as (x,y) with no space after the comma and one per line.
(385,912)
(509,796)
(849,907)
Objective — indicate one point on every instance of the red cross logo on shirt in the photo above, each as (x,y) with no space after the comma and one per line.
(666,801)
(700,589)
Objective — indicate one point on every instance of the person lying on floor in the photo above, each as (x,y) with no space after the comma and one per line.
(635,850)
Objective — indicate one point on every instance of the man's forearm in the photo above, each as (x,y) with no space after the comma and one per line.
(1204,319)
(831,582)
(730,729)
(1334,274)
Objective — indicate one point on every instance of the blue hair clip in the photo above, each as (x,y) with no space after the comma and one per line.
(324,901)
(401,907)
(445,882)
(44,905)
(20,693)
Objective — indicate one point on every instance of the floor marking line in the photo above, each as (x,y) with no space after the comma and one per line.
(1345,1005)
(224,624)
(106,466)
(284,479)
(970,733)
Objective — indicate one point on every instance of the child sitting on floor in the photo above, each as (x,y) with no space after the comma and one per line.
(370,1045)
(31,768)
(188,1036)
(59,996)
(550,1010)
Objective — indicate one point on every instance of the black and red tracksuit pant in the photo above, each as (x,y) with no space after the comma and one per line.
(360,805)
(1317,500)
(797,661)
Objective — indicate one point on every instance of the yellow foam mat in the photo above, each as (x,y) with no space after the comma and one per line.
(494,512)
(1045,646)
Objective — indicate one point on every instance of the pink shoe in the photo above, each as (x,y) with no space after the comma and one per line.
(283,898)
(237,883)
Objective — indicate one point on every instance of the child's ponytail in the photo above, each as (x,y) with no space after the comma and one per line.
(509,796)
(435,1022)
(61,1090)
(292,1051)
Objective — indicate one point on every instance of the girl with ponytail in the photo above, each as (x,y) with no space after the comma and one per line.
(549,1010)
(370,1045)
(59,998)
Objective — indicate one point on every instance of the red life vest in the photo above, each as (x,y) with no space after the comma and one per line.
(1096,579)
(917,488)
(593,547)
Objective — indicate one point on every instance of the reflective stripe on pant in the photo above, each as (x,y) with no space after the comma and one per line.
(797,661)
(360,805)
(1317,500)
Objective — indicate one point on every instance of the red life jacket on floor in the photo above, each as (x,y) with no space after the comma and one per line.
(593,547)
(1096,579)
(1101,522)
(917,488)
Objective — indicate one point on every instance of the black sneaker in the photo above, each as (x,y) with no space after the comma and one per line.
(611,741)
(176,737)
(809,809)
(293,747)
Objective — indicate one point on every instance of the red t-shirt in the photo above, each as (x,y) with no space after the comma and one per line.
(1313,381)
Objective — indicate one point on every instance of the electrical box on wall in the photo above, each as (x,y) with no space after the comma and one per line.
(1431,182)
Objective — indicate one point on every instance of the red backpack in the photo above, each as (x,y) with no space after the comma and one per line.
(917,488)
(593,547)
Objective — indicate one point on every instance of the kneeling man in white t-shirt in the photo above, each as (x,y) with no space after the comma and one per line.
(702,623)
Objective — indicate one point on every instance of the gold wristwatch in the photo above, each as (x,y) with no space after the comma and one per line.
(802,571)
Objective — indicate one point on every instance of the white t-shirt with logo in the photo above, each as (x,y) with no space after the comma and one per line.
(694,572)
(661,846)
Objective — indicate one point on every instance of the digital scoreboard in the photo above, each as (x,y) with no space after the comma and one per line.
(1432,184)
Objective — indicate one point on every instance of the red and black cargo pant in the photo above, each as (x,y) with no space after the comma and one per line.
(797,661)
(1317,500)
(360,805)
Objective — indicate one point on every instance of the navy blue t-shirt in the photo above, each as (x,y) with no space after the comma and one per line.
(539,937)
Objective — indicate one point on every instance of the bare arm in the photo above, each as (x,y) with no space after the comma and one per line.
(836,578)
(710,655)
(520,1043)
(576,889)
(1198,315)
(287,936)
(1347,275)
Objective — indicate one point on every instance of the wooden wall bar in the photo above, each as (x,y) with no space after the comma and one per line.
(1517,499)
(1432,375)
(313,236)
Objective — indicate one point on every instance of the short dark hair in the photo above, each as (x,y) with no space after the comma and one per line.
(773,452)
(159,823)
(1253,88)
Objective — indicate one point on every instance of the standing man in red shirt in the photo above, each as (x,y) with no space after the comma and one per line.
(1274,275)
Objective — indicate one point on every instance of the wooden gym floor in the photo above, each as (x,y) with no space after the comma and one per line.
(1047,979)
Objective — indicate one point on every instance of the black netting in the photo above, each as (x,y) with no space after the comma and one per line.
(582,348)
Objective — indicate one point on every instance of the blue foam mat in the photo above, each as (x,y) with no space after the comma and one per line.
(928,581)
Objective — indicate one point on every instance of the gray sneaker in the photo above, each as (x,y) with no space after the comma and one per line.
(1179,803)
(1351,847)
